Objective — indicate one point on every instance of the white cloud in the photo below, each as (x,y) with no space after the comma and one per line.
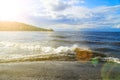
(58,5)
(117,26)
(58,8)
(55,5)
(68,14)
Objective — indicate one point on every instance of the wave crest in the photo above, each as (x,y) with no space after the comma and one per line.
(44,52)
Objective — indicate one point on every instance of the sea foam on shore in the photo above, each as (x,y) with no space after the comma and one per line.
(62,53)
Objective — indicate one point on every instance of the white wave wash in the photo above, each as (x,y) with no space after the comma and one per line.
(10,50)
(11,46)
(111,59)
(37,47)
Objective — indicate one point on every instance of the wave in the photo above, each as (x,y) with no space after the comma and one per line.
(37,47)
(65,53)
(60,36)
(54,57)
(34,46)
(105,49)
(83,42)
(116,43)
(111,59)
(39,57)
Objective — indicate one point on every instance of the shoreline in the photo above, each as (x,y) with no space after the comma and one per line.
(79,55)
(57,70)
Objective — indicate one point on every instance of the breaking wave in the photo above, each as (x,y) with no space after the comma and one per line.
(37,47)
(111,59)
(37,52)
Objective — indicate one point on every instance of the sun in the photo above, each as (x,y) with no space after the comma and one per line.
(9,9)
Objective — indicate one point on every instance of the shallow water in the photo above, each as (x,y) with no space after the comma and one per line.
(18,44)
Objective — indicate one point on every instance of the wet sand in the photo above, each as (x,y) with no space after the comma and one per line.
(57,70)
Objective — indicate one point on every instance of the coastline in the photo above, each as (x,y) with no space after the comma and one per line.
(82,65)
(19,26)
(77,55)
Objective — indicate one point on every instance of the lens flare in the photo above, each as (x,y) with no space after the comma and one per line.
(111,71)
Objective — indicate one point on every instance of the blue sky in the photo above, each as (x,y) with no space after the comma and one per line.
(96,3)
(64,14)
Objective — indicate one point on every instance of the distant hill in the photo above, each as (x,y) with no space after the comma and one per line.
(17,26)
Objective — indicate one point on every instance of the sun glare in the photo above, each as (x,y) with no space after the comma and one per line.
(9,9)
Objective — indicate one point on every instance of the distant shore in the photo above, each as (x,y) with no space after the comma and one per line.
(18,26)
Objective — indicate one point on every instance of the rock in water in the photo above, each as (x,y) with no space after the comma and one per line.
(83,55)
(86,55)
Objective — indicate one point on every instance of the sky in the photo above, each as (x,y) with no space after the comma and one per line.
(98,15)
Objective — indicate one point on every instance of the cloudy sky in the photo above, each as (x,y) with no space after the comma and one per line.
(64,14)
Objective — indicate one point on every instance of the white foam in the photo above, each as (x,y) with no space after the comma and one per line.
(111,59)
(42,51)
(11,49)
(37,47)
(16,49)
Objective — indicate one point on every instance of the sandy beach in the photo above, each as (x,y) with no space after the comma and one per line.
(59,70)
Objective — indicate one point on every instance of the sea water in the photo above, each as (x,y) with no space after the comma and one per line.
(19,44)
